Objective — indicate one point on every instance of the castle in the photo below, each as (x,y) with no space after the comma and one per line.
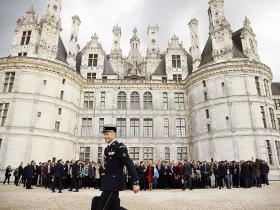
(171,105)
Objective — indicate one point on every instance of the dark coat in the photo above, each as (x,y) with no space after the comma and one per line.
(75,170)
(58,170)
(8,171)
(30,172)
(115,158)
(20,170)
(187,170)
(222,170)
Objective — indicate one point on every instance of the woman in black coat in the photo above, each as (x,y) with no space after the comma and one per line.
(7,174)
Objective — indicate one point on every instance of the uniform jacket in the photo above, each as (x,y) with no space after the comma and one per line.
(115,158)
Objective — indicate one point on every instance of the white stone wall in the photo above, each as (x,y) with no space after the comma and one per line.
(27,135)
(233,95)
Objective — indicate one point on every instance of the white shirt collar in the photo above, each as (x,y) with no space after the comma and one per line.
(112,142)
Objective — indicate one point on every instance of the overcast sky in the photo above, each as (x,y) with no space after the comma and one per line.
(172,16)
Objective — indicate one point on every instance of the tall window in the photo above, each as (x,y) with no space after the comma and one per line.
(87,127)
(1,143)
(148,128)
(269,152)
(272,118)
(134,127)
(91,76)
(205,95)
(180,127)
(25,39)
(88,100)
(223,88)
(266,88)
(134,153)
(165,101)
(148,153)
(56,126)
(134,100)
(182,153)
(277,103)
(277,144)
(257,82)
(278,122)
(207,114)
(102,102)
(121,127)
(176,61)
(177,77)
(179,101)
(101,125)
(148,102)
(84,153)
(122,100)
(99,154)
(263,117)
(92,60)
(9,81)
(204,83)
(209,128)
(166,127)
(61,95)
(167,153)
(3,113)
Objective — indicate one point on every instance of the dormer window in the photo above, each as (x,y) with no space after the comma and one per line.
(176,61)
(177,77)
(92,60)
(25,39)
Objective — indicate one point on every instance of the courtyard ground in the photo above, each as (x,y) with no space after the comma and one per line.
(265,198)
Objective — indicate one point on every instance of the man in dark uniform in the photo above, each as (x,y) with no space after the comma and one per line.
(112,181)
(30,173)
(58,173)
(75,176)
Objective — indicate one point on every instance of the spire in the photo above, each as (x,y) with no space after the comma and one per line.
(29,17)
(220,32)
(195,45)
(134,57)
(52,13)
(73,44)
(153,48)
(134,41)
(247,24)
(116,48)
(51,28)
(249,42)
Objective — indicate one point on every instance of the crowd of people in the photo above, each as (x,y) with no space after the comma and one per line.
(75,175)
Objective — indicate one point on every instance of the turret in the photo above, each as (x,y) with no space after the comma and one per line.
(220,32)
(195,46)
(73,44)
(249,42)
(51,27)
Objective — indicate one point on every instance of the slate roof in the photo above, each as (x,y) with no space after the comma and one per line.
(161,68)
(206,56)
(275,88)
(61,51)
(108,69)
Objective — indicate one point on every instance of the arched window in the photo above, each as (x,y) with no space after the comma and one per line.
(134,101)
(122,100)
(148,102)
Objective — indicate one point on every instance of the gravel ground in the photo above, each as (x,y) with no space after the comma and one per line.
(268,197)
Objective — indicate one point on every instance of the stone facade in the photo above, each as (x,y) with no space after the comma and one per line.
(171,105)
